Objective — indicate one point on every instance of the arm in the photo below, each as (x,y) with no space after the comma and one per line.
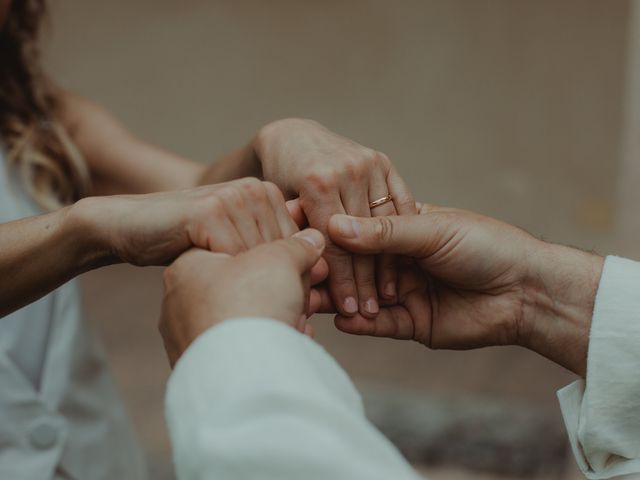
(122,163)
(254,398)
(329,173)
(475,281)
(40,253)
(481,282)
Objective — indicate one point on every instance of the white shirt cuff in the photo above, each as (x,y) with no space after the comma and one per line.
(602,414)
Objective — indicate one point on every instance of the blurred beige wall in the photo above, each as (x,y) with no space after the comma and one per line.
(511,108)
(513,97)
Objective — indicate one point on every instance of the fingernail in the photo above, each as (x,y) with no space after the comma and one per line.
(371,306)
(348,227)
(390,289)
(350,305)
(314,237)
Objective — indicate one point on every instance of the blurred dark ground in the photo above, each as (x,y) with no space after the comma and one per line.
(510,108)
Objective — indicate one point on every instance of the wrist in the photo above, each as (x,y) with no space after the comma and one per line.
(560,293)
(275,145)
(268,137)
(91,241)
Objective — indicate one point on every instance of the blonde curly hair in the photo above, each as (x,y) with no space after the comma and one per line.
(37,145)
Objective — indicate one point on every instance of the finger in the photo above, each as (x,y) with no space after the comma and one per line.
(319,272)
(303,249)
(243,216)
(267,221)
(392,322)
(196,256)
(268,225)
(326,304)
(386,272)
(285,223)
(300,251)
(403,199)
(355,200)
(411,235)
(224,237)
(296,212)
(341,283)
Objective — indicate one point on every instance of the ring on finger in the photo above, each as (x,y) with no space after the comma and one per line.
(380,201)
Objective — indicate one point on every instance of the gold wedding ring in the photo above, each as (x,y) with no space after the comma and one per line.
(380,201)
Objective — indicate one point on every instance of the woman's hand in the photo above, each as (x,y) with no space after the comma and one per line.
(471,281)
(203,289)
(331,174)
(154,229)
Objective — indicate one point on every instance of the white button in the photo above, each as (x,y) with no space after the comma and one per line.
(43,435)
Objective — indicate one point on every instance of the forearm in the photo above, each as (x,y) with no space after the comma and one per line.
(559,304)
(38,254)
(238,164)
(119,162)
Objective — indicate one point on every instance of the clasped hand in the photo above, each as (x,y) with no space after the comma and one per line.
(446,278)
(464,281)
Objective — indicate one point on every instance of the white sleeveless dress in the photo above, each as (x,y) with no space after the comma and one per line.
(60,414)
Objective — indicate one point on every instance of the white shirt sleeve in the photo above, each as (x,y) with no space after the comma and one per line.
(253,398)
(602,414)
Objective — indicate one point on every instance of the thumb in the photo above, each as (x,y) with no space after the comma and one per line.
(303,248)
(405,235)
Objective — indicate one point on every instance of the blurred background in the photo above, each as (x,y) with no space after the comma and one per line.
(522,110)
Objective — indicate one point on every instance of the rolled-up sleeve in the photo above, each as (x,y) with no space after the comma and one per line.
(255,399)
(602,412)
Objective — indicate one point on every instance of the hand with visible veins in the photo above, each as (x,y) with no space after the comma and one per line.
(469,281)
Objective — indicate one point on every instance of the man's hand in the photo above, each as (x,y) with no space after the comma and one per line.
(271,280)
(331,174)
(472,281)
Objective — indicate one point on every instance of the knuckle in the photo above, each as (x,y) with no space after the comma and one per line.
(356,168)
(233,197)
(381,163)
(251,186)
(383,229)
(374,158)
(381,158)
(273,191)
(406,201)
(322,178)
(215,206)
(366,283)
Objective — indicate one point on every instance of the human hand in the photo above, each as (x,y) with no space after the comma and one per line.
(474,281)
(271,280)
(331,174)
(154,229)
